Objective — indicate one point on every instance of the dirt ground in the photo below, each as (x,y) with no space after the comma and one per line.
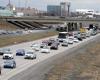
(83,65)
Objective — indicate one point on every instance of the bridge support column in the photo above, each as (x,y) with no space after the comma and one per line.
(74,26)
(69,26)
(80,25)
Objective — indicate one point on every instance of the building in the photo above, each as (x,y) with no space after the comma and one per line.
(54,10)
(63,6)
(62,10)
(88,13)
(85,11)
(5,12)
(29,11)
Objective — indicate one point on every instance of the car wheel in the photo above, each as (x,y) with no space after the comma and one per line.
(14,66)
(34,57)
(56,48)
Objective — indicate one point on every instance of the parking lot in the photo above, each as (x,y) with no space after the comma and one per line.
(23,64)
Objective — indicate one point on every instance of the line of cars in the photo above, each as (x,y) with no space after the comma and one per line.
(43,47)
(7,32)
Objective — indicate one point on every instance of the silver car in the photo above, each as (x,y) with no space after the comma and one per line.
(30,55)
(65,43)
(10,64)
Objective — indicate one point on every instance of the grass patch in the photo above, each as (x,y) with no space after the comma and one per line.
(4,41)
(85,65)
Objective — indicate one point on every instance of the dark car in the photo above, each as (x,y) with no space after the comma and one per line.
(20,52)
(79,37)
(54,46)
(93,33)
(83,35)
(45,41)
(42,45)
(10,64)
(50,41)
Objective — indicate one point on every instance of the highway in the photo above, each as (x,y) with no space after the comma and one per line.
(24,66)
(39,71)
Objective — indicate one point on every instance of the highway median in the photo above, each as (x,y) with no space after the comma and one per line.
(10,40)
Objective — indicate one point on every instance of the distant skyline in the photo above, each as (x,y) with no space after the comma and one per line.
(42,4)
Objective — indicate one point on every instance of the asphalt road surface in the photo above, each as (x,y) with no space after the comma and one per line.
(37,71)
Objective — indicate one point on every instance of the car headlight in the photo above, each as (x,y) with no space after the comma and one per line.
(11,65)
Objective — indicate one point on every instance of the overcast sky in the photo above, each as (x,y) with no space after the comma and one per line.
(41,4)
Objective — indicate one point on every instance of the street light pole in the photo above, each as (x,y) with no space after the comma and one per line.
(68,6)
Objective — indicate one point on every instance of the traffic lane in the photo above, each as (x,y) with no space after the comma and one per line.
(37,72)
(40,58)
(20,66)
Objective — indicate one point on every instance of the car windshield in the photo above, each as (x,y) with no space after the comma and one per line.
(65,42)
(54,44)
(52,39)
(45,47)
(1,50)
(8,61)
(36,45)
(20,50)
(75,38)
(29,52)
(62,35)
(70,39)
(8,52)
(6,49)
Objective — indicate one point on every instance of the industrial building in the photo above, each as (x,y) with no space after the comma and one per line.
(88,13)
(62,10)
(5,12)
(54,10)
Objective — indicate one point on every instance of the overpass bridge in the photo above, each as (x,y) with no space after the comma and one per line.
(74,22)
(51,20)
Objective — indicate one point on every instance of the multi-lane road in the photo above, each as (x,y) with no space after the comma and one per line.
(26,67)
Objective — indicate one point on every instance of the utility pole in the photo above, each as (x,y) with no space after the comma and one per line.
(26,1)
(9,4)
(68,6)
(19,3)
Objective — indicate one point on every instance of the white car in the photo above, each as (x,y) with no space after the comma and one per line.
(70,40)
(45,49)
(75,40)
(30,55)
(36,47)
(2,51)
(61,39)
(65,43)
(8,55)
